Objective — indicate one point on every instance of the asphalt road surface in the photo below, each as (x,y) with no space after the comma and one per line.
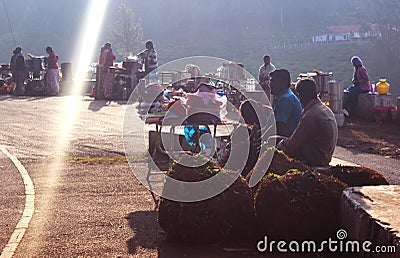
(72,148)
(87,201)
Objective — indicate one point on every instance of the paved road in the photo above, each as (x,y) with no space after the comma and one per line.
(34,127)
(85,191)
(12,198)
(72,148)
(389,167)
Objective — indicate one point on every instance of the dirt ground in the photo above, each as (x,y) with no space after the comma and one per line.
(381,138)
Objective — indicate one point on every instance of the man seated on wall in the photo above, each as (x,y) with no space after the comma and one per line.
(314,140)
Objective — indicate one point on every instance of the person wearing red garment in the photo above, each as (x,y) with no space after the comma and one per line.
(52,73)
(106,60)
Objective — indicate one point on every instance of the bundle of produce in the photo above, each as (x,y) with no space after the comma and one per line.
(298,205)
(280,164)
(356,176)
(227,216)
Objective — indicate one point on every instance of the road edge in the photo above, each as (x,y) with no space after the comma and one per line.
(29,209)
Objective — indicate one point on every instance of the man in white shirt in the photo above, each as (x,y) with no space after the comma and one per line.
(263,74)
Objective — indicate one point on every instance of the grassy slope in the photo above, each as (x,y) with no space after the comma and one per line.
(328,58)
(334,58)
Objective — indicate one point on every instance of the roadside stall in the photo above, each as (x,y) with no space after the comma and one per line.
(176,109)
(124,76)
(6,84)
(186,110)
(35,84)
(322,80)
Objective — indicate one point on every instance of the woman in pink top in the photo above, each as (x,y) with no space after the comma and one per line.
(361,84)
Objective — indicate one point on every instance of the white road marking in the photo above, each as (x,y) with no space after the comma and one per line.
(22,225)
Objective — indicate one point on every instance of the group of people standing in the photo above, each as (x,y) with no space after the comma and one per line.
(106,59)
(19,70)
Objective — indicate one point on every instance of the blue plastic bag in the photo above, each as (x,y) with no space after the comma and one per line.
(193,137)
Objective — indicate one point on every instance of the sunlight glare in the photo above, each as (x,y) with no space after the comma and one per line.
(85,49)
(86,45)
(70,111)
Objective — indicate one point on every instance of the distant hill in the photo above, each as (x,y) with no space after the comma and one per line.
(225,28)
(237,30)
(37,24)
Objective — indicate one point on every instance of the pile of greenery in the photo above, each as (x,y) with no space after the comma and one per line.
(299,205)
(226,216)
(291,202)
(280,164)
(356,176)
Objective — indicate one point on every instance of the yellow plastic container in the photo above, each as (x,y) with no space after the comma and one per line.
(382,87)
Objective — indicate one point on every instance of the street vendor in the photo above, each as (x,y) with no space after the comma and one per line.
(250,128)
(202,108)
(314,140)
(52,73)
(361,84)
(106,60)
(149,59)
(18,68)
(264,75)
(205,104)
(286,105)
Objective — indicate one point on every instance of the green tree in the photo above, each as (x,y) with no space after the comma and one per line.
(385,14)
(126,33)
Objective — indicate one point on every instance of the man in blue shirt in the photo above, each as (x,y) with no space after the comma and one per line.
(286,105)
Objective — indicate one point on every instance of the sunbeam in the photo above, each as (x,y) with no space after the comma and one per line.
(69,113)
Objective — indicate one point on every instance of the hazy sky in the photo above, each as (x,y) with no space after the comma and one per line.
(237,30)
(36,24)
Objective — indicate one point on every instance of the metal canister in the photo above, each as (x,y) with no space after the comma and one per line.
(335,97)
(125,93)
